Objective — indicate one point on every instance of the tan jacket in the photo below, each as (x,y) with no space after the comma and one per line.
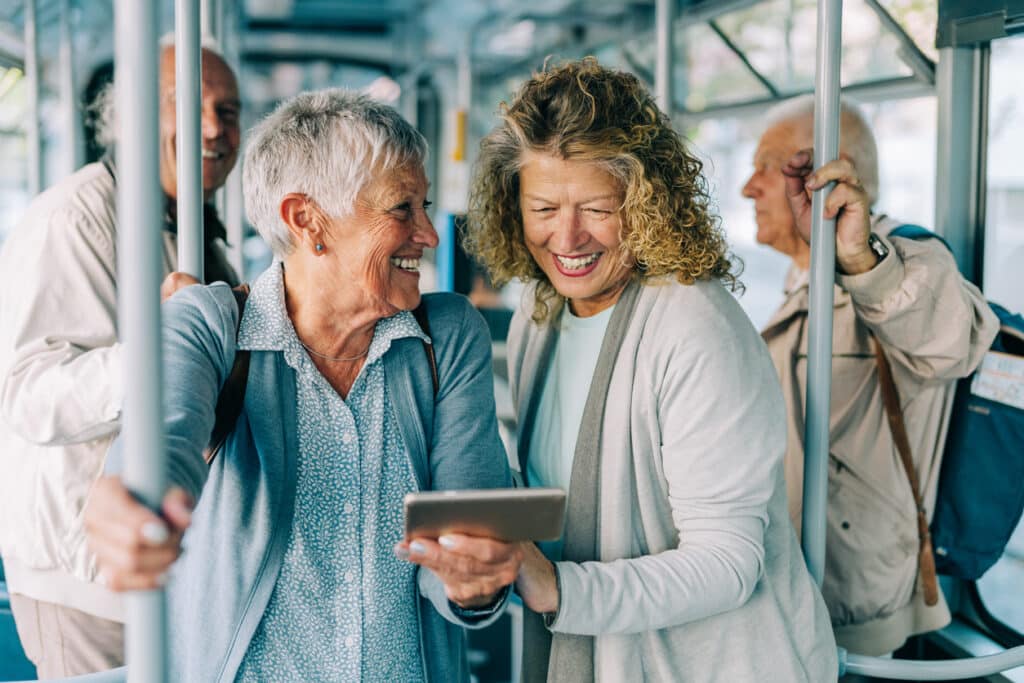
(935,327)
(60,385)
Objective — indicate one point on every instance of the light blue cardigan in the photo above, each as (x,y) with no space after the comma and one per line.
(221,585)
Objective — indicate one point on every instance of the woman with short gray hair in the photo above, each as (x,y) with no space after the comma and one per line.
(294,572)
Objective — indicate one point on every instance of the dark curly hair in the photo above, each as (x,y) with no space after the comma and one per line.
(583,111)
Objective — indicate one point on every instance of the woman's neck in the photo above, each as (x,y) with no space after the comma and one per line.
(334,321)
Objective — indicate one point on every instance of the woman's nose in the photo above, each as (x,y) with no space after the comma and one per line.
(425,233)
(569,232)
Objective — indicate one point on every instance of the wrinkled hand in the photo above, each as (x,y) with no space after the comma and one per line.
(536,583)
(848,203)
(173,282)
(134,547)
(472,569)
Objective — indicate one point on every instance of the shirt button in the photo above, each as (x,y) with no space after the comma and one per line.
(350,641)
(350,577)
(346,438)
(349,508)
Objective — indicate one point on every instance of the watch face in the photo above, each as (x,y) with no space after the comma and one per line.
(878,246)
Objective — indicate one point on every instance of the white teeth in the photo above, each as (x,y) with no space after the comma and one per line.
(578,262)
(210,154)
(410,264)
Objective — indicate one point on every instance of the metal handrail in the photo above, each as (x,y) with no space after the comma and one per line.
(139,265)
(823,266)
(943,670)
(188,136)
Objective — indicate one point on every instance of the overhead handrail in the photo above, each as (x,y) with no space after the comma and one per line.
(823,269)
(188,89)
(139,266)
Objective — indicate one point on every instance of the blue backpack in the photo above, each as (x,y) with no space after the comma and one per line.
(981,484)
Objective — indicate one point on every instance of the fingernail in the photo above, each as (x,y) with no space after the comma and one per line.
(401,553)
(155,532)
(446,542)
(417,547)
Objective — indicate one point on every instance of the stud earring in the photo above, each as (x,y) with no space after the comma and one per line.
(319,247)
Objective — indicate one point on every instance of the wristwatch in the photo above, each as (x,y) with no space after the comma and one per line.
(877,246)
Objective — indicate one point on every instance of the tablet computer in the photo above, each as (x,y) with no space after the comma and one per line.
(516,514)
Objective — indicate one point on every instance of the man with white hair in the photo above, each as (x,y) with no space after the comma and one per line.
(60,376)
(933,327)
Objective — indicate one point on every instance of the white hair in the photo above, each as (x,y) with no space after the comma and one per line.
(855,137)
(102,106)
(327,145)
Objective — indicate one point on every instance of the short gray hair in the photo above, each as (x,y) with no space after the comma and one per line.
(101,110)
(327,145)
(855,137)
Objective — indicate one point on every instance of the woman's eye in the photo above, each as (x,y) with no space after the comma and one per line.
(402,211)
(544,209)
(600,212)
(427,204)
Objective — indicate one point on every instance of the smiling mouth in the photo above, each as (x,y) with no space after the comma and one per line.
(211,154)
(409,265)
(577,262)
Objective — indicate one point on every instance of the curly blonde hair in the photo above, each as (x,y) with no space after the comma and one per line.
(583,111)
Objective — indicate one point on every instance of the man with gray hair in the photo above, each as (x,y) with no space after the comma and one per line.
(60,377)
(904,297)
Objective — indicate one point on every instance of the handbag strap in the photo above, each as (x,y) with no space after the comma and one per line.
(891,401)
(420,313)
(232,394)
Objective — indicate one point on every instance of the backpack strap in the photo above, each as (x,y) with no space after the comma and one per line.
(232,394)
(420,313)
(891,401)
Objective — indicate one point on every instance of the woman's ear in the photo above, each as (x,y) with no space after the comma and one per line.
(300,214)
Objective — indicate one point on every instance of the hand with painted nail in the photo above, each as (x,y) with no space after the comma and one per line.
(848,203)
(134,547)
(473,569)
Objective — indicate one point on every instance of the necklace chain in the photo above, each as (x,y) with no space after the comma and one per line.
(336,359)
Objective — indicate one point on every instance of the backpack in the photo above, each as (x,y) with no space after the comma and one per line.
(980,497)
(232,394)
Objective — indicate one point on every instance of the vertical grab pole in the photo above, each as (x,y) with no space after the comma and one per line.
(187,87)
(68,100)
(33,143)
(823,270)
(139,200)
(664,17)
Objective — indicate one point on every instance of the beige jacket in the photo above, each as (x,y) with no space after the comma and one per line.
(701,578)
(60,385)
(935,327)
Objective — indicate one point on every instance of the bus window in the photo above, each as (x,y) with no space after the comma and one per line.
(14,170)
(1004,223)
(1000,587)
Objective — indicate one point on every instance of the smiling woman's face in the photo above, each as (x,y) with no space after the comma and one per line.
(379,247)
(572,222)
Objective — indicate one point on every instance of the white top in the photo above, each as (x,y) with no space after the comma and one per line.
(553,443)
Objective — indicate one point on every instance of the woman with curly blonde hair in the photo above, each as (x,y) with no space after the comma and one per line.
(643,390)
